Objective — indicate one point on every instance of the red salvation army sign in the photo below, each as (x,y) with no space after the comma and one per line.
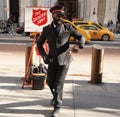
(39,17)
(36,18)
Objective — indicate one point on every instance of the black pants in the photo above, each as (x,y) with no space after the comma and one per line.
(55,81)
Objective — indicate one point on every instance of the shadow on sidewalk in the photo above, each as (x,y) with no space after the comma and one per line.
(95,98)
(17,101)
(90,96)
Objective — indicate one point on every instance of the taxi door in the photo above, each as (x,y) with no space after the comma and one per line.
(94,32)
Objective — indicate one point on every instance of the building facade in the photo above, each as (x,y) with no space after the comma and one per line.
(90,10)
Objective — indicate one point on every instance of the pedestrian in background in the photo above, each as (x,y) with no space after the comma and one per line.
(59,57)
(110,25)
(9,25)
(118,27)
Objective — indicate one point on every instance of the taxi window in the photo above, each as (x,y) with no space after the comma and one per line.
(80,23)
(92,28)
(84,27)
(97,25)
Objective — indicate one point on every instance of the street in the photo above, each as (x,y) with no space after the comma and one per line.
(18,39)
(106,44)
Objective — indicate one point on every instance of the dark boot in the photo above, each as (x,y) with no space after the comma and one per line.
(56,112)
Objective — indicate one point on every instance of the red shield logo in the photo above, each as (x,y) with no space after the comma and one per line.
(39,17)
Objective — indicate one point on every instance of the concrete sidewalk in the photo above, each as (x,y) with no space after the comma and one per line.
(81,99)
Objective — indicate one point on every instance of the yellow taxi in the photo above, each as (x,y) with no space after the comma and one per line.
(80,30)
(34,34)
(98,33)
(80,22)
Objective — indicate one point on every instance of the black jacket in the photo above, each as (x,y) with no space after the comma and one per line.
(58,44)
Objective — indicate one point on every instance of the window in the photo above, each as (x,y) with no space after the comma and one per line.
(71,8)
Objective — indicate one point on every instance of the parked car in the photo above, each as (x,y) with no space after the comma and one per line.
(80,30)
(98,33)
(20,30)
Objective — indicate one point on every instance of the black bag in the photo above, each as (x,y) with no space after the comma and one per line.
(38,69)
(38,82)
(42,68)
